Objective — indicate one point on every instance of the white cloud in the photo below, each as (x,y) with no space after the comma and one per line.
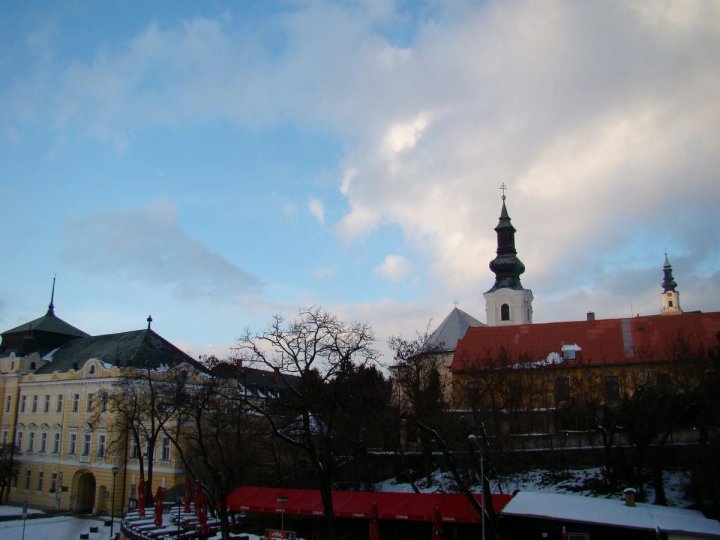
(317,210)
(594,136)
(394,267)
(403,136)
(326,272)
(601,117)
(146,245)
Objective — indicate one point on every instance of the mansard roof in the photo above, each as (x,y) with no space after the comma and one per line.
(594,342)
(138,349)
(44,334)
(451,330)
(47,323)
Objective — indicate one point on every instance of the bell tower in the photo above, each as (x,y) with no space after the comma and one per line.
(507,302)
(670,296)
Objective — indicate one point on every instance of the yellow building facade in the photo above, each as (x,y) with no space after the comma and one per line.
(66,450)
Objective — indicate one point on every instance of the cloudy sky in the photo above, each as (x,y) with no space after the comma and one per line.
(215,163)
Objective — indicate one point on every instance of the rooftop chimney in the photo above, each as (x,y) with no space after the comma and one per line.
(590,315)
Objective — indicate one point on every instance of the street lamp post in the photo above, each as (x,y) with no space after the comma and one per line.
(112,505)
(473,440)
(282,500)
(179,501)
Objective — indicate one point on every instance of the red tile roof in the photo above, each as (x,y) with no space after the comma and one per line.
(608,341)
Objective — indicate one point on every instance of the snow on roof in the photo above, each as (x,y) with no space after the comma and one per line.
(610,512)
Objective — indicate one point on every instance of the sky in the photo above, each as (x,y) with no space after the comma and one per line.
(217,163)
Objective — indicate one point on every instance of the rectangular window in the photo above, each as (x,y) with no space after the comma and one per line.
(35,402)
(89,402)
(56,443)
(76,401)
(165,454)
(87,440)
(43,442)
(53,482)
(23,401)
(135,451)
(46,408)
(58,408)
(19,439)
(101,445)
(8,403)
(31,442)
(28,478)
(612,388)
(4,437)
(40,480)
(562,389)
(103,404)
(73,443)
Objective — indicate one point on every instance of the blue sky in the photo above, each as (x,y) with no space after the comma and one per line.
(216,163)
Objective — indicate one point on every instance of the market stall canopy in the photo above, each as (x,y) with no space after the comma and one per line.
(358,504)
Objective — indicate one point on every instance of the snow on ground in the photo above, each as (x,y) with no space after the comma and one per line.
(69,527)
(578,481)
(17,511)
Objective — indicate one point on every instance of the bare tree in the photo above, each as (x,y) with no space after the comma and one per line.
(216,439)
(418,389)
(314,348)
(139,409)
(8,469)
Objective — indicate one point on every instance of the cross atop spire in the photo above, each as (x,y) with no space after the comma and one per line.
(149,321)
(503,188)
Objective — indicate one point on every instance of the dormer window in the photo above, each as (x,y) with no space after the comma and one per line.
(505,312)
(92,369)
(32,365)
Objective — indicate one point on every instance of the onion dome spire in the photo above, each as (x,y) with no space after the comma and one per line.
(668,282)
(506,266)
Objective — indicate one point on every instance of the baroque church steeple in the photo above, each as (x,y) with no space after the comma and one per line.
(507,302)
(670,296)
(506,266)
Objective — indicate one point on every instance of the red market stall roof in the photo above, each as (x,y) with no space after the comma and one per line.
(358,504)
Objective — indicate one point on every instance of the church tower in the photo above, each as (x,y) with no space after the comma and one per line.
(670,297)
(507,302)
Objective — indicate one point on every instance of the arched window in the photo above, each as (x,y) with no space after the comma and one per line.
(32,365)
(92,369)
(504,312)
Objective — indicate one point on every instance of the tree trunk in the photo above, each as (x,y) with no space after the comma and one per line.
(326,495)
(223,514)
